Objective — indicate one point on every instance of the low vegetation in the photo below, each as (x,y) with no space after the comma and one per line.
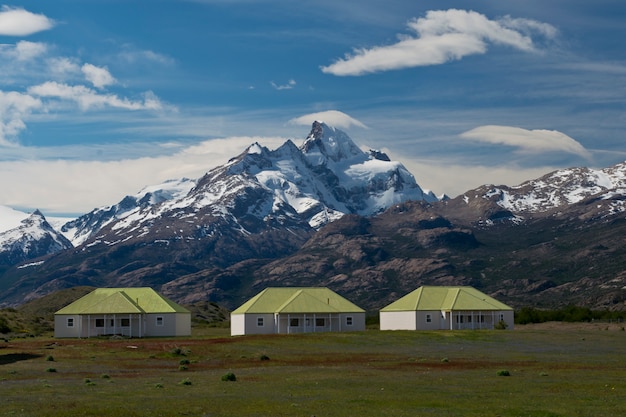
(560,370)
(568,314)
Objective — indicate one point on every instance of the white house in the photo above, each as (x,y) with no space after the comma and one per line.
(296,310)
(441,308)
(131,312)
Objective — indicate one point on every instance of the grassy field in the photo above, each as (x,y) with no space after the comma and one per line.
(561,370)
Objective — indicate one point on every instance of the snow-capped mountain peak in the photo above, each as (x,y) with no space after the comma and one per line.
(326,143)
(33,238)
(260,189)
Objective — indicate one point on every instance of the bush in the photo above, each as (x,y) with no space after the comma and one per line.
(50,358)
(51,370)
(264,358)
(185,381)
(229,377)
(501,325)
(4,326)
(178,351)
(184,362)
(504,372)
(182,368)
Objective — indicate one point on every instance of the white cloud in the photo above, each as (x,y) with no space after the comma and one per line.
(87,98)
(532,141)
(133,56)
(22,51)
(333,118)
(20,22)
(290,84)
(67,186)
(26,50)
(98,76)
(62,67)
(442,36)
(14,108)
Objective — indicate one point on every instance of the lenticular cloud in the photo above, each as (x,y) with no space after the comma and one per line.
(534,141)
(442,36)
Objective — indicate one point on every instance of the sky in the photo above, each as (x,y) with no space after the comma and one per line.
(100,98)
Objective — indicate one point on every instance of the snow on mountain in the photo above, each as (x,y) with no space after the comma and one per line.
(34,237)
(557,189)
(290,187)
(84,227)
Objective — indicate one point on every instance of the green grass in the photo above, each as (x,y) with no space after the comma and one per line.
(562,372)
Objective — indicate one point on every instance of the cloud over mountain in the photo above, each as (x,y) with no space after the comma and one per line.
(533,141)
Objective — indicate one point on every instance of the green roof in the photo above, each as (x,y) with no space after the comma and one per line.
(446,299)
(122,301)
(297,300)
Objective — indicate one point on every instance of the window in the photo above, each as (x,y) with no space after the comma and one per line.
(349,321)
(70,322)
(429,318)
(159,320)
(112,323)
(99,322)
(320,322)
(501,317)
(125,322)
(294,322)
(259,322)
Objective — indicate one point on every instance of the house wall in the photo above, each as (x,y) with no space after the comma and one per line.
(167,324)
(173,324)
(440,320)
(471,320)
(313,323)
(398,320)
(242,324)
(61,329)
(183,324)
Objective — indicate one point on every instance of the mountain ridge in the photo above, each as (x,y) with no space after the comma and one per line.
(327,213)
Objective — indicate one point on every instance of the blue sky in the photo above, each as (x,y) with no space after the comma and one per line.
(100,98)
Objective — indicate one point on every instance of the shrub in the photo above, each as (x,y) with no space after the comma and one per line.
(504,372)
(105,376)
(159,385)
(229,377)
(4,326)
(444,360)
(501,325)
(178,351)
(51,370)
(50,358)
(264,358)
(182,368)
(184,362)
(185,381)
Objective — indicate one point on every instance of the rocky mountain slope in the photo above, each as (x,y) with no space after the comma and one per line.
(262,204)
(33,238)
(326,213)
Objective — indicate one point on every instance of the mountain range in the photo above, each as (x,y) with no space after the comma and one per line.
(328,213)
